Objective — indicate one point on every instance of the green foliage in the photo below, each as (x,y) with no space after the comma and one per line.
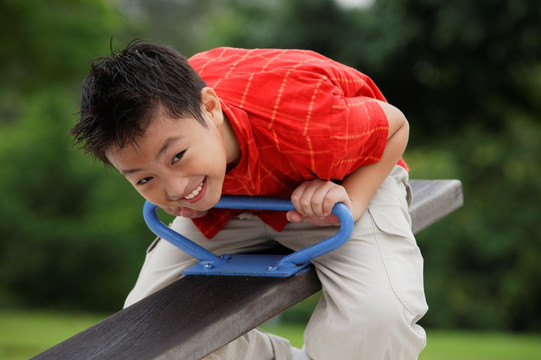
(49,43)
(56,235)
(447,64)
(58,226)
(466,73)
(484,271)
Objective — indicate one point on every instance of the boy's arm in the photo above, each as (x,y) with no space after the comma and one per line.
(313,200)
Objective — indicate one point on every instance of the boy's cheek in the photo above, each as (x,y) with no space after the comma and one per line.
(148,196)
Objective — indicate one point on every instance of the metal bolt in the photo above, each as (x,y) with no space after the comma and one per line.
(209,266)
(273,268)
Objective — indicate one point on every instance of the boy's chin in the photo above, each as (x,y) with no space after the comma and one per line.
(192,214)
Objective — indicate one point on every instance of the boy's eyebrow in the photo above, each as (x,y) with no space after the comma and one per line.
(163,149)
(166,145)
(130,171)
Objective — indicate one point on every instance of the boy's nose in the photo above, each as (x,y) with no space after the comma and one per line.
(175,188)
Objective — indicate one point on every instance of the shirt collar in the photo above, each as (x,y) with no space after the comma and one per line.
(244,178)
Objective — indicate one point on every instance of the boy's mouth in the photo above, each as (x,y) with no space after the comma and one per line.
(196,193)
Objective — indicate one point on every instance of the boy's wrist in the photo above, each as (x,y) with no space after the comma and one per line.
(357,208)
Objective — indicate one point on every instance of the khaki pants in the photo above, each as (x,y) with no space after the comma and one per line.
(372,286)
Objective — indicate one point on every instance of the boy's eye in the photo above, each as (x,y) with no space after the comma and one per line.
(178,156)
(144,180)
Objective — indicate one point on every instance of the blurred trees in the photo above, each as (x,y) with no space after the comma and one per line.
(467,75)
(70,237)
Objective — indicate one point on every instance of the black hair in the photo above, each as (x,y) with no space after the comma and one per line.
(124,91)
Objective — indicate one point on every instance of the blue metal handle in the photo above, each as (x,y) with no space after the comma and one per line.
(254,203)
(332,243)
(180,241)
(312,251)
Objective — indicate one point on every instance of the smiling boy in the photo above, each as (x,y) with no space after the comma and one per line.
(267,122)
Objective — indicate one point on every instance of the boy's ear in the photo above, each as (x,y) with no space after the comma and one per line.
(211,105)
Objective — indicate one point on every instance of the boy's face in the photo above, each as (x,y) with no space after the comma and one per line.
(178,163)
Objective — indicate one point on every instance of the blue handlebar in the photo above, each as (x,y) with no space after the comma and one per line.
(208,259)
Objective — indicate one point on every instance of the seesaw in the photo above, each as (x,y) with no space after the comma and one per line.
(251,264)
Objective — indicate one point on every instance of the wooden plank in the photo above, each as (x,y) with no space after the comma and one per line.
(188,319)
(433,200)
(197,315)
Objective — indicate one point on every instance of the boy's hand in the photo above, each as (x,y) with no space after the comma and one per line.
(313,201)
(184,212)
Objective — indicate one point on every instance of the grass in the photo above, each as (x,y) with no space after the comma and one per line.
(25,334)
(446,345)
(455,345)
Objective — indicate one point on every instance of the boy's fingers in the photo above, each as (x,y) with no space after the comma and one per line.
(323,220)
(315,199)
(293,216)
(308,198)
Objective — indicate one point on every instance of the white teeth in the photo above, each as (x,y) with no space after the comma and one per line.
(195,192)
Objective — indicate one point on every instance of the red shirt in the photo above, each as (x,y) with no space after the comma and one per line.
(297,115)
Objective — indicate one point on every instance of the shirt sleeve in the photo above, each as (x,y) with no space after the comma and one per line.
(359,126)
(359,137)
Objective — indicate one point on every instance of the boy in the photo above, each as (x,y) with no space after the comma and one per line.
(262,122)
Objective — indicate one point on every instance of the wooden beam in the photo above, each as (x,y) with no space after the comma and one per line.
(433,200)
(197,315)
(188,319)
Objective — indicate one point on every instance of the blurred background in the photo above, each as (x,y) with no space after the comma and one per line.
(467,74)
